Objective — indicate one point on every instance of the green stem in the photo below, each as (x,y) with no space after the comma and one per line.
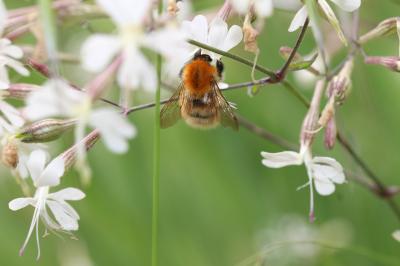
(156,161)
(50,33)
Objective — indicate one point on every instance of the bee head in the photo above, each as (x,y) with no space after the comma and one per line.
(199,55)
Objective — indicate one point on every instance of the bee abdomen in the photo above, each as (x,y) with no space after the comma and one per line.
(199,114)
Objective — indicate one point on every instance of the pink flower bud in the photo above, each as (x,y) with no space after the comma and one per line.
(310,122)
(385,28)
(330,134)
(390,62)
(19,90)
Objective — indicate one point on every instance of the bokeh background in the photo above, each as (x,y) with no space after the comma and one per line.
(218,204)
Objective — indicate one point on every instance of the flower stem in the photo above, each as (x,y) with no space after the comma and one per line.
(156,160)
(50,33)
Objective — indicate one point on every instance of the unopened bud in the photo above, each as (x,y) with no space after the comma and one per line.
(19,90)
(309,127)
(44,130)
(328,112)
(70,155)
(39,67)
(390,62)
(9,155)
(340,85)
(250,35)
(330,134)
(385,28)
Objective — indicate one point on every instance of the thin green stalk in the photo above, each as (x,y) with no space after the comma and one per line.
(156,161)
(50,33)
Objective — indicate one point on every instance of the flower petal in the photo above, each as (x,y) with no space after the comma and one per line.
(68,194)
(299,19)
(136,71)
(12,114)
(126,12)
(66,221)
(329,167)
(197,29)
(233,38)
(52,173)
(348,5)
(98,50)
(36,163)
(324,187)
(114,129)
(332,19)
(264,8)
(241,6)
(217,33)
(19,203)
(281,159)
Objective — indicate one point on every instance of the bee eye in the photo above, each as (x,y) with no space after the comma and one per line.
(207,57)
(220,67)
(197,54)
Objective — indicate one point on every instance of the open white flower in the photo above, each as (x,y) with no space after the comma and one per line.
(263,8)
(58,99)
(136,71)
(8,58)
(216,35)
(324,172)
(346,5)
(44,177)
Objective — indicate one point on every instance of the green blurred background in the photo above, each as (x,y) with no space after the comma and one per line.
(218,204)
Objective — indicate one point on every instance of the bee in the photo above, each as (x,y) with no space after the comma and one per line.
(198,99)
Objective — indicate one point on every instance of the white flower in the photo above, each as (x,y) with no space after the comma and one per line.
(135,71)
(396,235)
(8,55)
(216,35)
(263,8)
(58,99)
(346,5)
(325,172)
(44,177)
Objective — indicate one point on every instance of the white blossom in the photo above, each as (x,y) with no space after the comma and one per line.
(347,5)
(58,99)
(324,172)
(9,54)
(136,71)
(263,8)
(44,177)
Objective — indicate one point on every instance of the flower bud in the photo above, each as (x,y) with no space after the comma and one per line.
(19,90)
(390,62)
(9,154)
(340,84)
(250,36)
(385,28)
(44,130)
(309,127)
(328,112)
(70,155)
(330,134)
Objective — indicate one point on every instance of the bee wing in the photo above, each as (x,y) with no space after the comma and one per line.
(228,118)
(171,111)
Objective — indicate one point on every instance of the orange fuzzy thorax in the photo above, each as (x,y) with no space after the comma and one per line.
(197,76)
